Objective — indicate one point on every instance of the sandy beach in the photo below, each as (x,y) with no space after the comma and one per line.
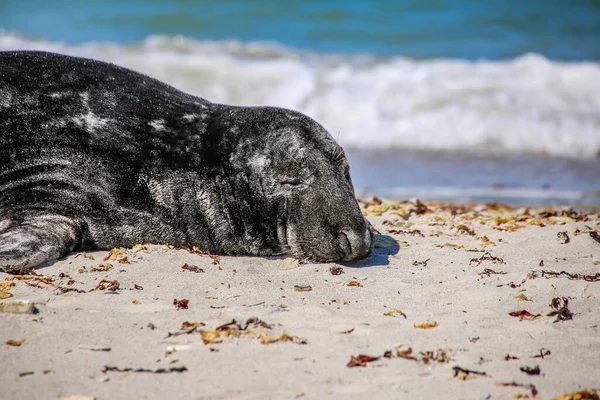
(456,302)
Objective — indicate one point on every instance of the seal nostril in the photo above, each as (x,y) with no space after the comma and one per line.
(346,245)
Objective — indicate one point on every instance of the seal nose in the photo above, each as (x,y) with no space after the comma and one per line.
(356,244)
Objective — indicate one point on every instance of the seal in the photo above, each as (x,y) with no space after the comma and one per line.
(96,156)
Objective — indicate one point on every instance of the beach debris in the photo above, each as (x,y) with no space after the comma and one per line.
(487,256)
(569,275)
(216,260)
(15,343)
(235,329)
(509,357)
(26,373)
(531,370)
(465,230)
(402,232)
(522,297)
(543,353)
(32,279)
(467,374)
(191,268)
(18,307)
(405,352)
(84,255)
(563,237)
(393,313)
(186,328)
(360,360)
(560,308)
(336,270)
(105,284)
(439,355)
(354,283)
(474,339)
(426,325)
(452,245)
(485,241)
(530,386)
(5,290)
(95,348)
(108,368)
(100,268)
(136,302)
(139,247)
(302,288)
(181,304)
(489,272)
(117,254)
(594,235)
(524,315)
(422,263)
(347,332)
(581,395)
(138,287)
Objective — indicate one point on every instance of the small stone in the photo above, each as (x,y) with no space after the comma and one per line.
(17,307)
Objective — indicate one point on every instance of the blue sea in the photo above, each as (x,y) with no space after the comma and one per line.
(457,100)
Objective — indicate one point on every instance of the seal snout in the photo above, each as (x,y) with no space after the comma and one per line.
(356,244)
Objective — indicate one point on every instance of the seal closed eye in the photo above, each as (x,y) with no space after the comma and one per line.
(95,156)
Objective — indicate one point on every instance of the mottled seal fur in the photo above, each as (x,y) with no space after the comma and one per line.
(95,156)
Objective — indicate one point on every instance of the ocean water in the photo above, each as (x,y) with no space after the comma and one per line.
(451,99)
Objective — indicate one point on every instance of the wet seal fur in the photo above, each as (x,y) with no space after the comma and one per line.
(95,156)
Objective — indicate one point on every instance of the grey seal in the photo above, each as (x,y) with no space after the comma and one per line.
(96,156)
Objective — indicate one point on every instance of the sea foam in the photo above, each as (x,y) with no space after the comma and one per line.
(526,105)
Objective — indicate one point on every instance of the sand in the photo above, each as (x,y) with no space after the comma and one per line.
(464,273)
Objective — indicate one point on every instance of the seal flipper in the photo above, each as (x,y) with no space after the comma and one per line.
(33,241)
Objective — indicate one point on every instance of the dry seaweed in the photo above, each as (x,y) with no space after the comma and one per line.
(105,284)
(524,314)
(15,343)
(488,272)
(509,357)
(465,374)
(531,370)
(560,308)
(563,237)
(487,256)
(360,361)
(543,353)
(195,250)
(302,288)
(191,268)
(108,368)
(426,325)
(423,263)
(181,304)
(403,232)
(529,386)
(594,235)
(570,276)
(394,312)
(336,270)
(581,395)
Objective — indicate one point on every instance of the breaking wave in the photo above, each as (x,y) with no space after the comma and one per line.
(527,105)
